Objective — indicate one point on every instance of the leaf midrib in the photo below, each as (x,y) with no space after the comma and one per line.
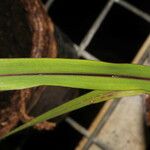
(79,74)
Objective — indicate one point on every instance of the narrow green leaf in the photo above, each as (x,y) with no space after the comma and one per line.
(26,73)
(107,79)
(47,65)
(83,82)
(87,99)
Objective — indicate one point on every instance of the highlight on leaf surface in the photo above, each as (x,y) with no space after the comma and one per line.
(25,73)
(108,80)
(82,101)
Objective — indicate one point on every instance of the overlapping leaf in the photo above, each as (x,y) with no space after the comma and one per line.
(107,79)
(25,73)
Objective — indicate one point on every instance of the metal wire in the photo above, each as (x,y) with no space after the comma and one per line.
(82,52)
(97,23)
(85,133)
(48,4)
(134,10)
(100,125)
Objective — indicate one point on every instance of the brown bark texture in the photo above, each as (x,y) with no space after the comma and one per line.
(27,31)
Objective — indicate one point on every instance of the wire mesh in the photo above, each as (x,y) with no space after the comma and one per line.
(48,4)
(81,50)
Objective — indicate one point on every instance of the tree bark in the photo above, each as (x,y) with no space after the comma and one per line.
(27,31)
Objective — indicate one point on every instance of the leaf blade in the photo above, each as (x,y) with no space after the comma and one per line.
(26,73)
(83,82)
(47,65)
(82,101)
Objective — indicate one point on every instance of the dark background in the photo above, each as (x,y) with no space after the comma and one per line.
(118,40)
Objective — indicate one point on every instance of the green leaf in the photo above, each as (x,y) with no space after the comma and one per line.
(26,73)
(87,99)
(107,79)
